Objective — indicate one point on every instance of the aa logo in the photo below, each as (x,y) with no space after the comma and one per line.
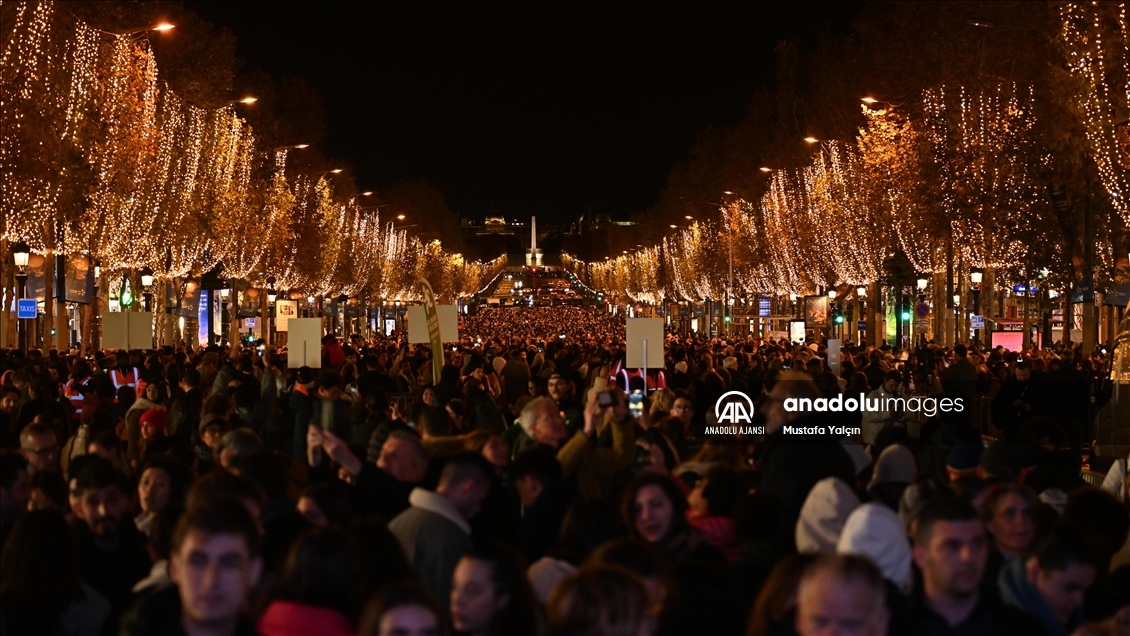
(734,411)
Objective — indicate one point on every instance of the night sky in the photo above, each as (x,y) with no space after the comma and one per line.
(532,108)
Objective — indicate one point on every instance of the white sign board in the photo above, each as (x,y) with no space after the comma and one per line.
(977,322)
(834,358)
(304,344)
(285,310)
(796,331)
(418,325)
(642,330)
(127,330)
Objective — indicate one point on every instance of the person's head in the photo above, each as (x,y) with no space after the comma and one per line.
(39,570)
(534,470)
(434,422)
(236,443)
(403,457)
(789,385)
(682,408)
(39,447)
(490,445)
(1062,567)
(102,496)
(154,392)
(321,570)
(15,487)
(558,387)
(489,593)
(9,400)
(108,446)
(653,506)
(601,601)
(950,548)
(1101,517)
(891,381)
(161,482)
(215,561)
(841,595)
(1010,517)
(465,481)
(327,386)
(190,379)
(211,432)
(401,609)
(1023,371)
(717,492)
(152,424)
(220,484)
(542,421)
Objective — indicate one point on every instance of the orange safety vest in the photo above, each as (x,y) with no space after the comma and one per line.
(133,378)
(70,390)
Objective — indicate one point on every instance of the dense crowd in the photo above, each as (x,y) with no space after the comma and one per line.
(539,487)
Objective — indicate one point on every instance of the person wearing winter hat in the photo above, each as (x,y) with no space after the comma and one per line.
(894,471)
(964,460)
(823,515)
(875,531)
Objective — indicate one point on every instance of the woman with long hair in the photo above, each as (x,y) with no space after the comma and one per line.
(320,588)
(490,595)
(401,609)
(654,510)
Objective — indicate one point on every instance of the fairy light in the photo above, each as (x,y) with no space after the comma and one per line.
(1095,58)
(174,187)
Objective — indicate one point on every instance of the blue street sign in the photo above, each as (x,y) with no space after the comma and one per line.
(922,310)
(26,308)
(862,325)
(977,322)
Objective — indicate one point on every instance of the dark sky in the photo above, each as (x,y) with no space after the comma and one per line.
(531,108)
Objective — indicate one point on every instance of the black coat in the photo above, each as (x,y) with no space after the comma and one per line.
(790,465)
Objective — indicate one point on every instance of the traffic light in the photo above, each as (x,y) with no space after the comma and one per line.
(906,316)
(727,319)
(839,319)
(127,298)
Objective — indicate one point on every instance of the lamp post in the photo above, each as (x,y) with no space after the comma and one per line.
(20,255)
(976,275)
(146,288)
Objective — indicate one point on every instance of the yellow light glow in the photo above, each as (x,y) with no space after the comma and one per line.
(164,26)
(248,100)
(811,140)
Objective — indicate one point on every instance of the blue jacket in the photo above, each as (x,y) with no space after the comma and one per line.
(1016,590)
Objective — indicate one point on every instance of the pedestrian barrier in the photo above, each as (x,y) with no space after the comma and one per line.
(1092,477)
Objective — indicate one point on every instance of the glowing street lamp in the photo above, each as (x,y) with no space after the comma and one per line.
(811,140)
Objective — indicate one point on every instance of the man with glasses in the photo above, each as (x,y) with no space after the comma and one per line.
(40,448)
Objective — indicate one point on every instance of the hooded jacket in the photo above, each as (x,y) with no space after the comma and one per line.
(823,515)
(874,531)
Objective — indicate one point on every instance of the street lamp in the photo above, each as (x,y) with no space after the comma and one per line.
(764,169)
(861,292)
(922,282)
(976,275)
(146,284)
(163,26)
(811,140)
(831,294)
(20,255)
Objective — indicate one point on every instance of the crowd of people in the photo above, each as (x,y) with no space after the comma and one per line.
(540,487)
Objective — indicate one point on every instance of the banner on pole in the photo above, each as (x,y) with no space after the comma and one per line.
(431,315)
(304,343)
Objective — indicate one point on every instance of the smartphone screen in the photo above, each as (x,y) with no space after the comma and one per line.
(635,403)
